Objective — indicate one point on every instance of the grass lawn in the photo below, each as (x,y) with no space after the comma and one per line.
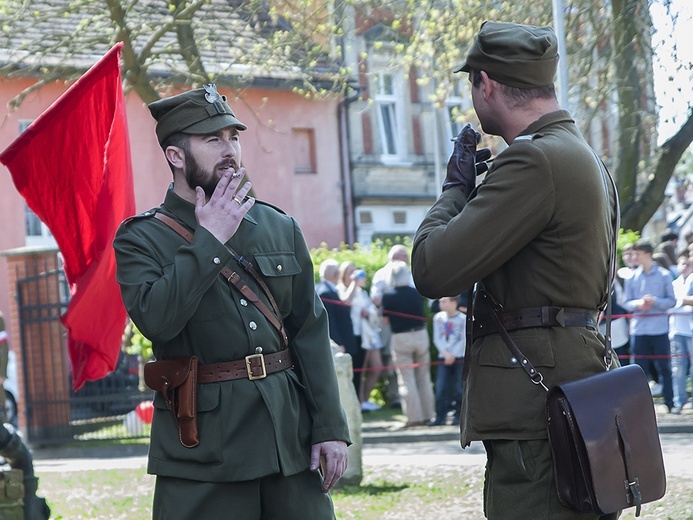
(387,492)
(396,492)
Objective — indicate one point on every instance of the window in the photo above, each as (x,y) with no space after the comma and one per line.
(399,217)
(389,112)
(365,217)
(303,141)
(37,233)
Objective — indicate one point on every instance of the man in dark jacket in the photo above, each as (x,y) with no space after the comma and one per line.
(339,315)
(536,234)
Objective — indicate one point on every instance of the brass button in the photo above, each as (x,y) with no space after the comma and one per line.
(252,325)
(279,268)
(244,302)
(216,260)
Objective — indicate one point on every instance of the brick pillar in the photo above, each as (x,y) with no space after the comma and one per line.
(39,341)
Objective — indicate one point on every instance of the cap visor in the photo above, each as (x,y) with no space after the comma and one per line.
(214,124)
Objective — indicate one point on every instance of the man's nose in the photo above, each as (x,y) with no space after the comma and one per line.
(229,148)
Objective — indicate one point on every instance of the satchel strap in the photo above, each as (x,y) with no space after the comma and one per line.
(632,483)
(525,363)
(233,278)
(613,247)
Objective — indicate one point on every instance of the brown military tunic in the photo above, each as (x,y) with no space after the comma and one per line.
(536,233)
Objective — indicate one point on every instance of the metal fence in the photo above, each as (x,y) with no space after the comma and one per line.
(55,414)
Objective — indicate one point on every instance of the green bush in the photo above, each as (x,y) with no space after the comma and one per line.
(139,345)
(370,259)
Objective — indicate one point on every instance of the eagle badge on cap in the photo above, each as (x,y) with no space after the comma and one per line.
(212,94)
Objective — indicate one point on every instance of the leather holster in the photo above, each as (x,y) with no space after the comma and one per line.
(176,379)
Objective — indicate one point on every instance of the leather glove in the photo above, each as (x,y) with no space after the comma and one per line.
(466,162)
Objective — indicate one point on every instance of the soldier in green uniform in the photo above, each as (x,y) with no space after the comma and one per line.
(536,234)
(270,435)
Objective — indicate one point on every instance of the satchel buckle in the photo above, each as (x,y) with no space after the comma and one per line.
(255,363)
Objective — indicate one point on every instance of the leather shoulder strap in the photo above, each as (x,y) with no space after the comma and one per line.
(233,278)
(613,246)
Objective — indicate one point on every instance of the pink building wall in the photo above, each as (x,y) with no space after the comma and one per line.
(314,199)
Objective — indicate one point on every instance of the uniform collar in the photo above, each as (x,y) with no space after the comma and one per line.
(185,210)
(552,118)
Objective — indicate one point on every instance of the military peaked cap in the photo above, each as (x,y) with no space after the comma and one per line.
(523,56)
(198,112)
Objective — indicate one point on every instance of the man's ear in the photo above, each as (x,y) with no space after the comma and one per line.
(487,84)
(176,156)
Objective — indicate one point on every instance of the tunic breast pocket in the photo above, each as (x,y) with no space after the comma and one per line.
(278,270)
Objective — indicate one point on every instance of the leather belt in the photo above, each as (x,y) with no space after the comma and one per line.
(532,317)
(255,366)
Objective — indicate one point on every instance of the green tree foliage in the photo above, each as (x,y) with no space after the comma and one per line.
(172,42)
(610,52)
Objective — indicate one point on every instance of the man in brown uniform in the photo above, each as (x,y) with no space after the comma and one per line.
(536,234)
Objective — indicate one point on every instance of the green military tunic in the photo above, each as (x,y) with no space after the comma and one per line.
(174,294)
(536,233)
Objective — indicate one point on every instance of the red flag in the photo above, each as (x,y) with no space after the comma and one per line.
(72,166)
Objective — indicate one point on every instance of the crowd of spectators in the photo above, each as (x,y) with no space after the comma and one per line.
(654,297)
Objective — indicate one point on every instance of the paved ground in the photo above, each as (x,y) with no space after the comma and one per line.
(384,442)
(677,449)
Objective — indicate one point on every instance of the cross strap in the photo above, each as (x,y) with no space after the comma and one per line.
(233,278)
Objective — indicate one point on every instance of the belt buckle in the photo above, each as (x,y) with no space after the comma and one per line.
(249,366)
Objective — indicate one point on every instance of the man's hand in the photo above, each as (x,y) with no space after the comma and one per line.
(449,359)
(224,211)
(466,162)
(331,457)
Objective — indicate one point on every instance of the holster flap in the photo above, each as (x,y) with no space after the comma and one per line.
(168,374)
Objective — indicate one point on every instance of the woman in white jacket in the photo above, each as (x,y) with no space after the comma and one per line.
(366,322)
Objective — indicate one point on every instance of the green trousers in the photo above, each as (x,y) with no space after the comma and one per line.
(275,497)
(520,484)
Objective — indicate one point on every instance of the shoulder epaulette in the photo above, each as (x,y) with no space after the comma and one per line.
(146,214)
(529,137)
(271,206)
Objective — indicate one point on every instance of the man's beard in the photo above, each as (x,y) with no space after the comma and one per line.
(195,176)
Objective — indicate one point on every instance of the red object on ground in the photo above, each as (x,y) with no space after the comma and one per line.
(145,411)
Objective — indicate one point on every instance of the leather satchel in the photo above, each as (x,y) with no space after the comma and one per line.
(606,449)
(176,379)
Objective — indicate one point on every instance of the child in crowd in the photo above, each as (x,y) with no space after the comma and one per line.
(449,329)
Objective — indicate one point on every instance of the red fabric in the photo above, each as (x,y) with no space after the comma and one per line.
(73,168)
